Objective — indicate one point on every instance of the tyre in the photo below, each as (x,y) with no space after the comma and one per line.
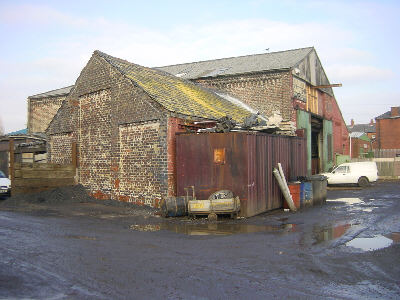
(363,182)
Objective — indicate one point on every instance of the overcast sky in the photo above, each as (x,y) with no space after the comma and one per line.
(45,44)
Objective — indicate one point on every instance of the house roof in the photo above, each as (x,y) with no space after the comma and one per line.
(387,115)
(54,93)
(239,65)
(23,133)
(19,132)
(179,95)
(369,128)
(357,135)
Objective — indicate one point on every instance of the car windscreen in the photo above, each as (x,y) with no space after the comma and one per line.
(2,175)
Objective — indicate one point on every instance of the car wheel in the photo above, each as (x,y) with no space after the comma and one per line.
(363,182)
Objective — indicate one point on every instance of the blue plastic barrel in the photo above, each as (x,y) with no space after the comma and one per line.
(302,194)
(308,193)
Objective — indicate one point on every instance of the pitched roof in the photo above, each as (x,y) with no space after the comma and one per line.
(359,135)
(362,128)
(239,65)
(387,115)
(178,95)
(54,93)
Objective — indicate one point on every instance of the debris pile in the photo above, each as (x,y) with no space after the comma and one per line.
(255,122)
(67,195)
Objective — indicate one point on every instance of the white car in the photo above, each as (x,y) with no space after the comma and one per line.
(5,185)
(361,173)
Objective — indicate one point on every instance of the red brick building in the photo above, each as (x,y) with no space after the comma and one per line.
(292,82)
(388,129)
(361,145)
(369,129)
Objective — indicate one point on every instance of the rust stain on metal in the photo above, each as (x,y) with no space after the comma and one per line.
(247,169)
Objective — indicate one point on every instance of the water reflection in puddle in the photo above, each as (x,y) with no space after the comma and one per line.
(327,233)
(349,201)
(371,244)
(214,228)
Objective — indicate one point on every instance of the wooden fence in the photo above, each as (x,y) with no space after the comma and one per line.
(387,166)
(36,177)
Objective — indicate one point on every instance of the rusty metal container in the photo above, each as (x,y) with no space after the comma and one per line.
(294,189)
(241,162)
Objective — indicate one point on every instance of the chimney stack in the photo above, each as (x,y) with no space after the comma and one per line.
(352,122)
(394,111)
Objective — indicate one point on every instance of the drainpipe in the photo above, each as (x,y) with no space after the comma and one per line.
(350,147)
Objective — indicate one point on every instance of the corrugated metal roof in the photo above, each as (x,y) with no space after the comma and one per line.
(356,134)
(19,132)
(239,65)
(54,93)
(178,95)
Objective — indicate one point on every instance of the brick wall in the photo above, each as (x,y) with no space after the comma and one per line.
(359,148)
(388,133)
(41,112)
(114,122)
(331,111)
(141,164)
(266,92)
(94,141)
(60,148)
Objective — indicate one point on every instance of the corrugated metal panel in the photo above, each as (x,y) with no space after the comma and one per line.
(247,171)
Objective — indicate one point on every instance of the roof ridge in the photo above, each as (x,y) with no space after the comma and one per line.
(249,55)
(69,86)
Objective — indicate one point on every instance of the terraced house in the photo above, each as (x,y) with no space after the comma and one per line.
(292,82)
(123,118)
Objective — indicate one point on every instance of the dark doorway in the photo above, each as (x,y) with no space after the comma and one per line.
(316,148)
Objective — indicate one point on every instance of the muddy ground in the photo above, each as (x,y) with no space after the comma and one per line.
(82,249)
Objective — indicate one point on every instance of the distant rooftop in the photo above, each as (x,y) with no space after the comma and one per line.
(239,65)
(388,114)
(54,93)
(368,128)
(19,132)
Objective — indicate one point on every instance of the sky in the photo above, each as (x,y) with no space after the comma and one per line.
(46,44)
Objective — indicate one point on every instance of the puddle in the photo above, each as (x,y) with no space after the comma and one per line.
(214,228)
(323,234)
(371,244)
(349,201)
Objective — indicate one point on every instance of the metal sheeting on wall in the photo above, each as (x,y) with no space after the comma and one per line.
(246,167)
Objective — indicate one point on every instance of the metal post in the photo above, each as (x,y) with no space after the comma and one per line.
(11,169)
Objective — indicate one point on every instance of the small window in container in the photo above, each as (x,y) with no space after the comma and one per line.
(219,156)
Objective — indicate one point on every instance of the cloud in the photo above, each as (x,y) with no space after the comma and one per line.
(65,54)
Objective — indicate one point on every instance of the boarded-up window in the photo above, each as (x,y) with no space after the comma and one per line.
(219,156)
(142,161)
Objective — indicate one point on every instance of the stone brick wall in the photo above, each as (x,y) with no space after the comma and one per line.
(41,112)
(388,133)
(117,128)
(266,92)
(60,148)
(94,141)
